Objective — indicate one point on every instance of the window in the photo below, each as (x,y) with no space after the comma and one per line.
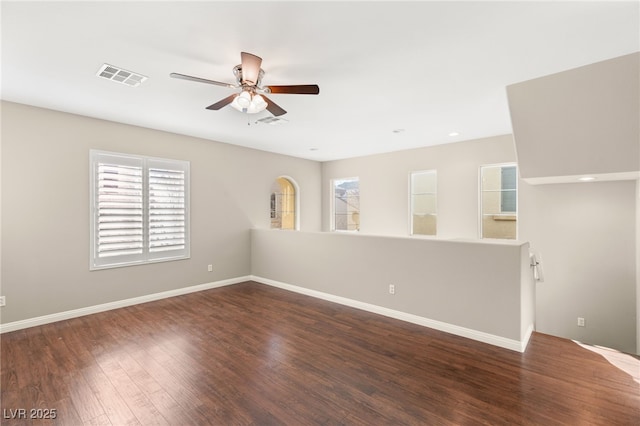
(499,201)
(423,202)
(284,204)
(346,204)
(139,209)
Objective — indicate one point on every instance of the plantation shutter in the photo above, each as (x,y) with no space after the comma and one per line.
(139,209)
(118,209)
(167,208)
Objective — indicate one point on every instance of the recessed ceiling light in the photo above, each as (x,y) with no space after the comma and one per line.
(586,178)
(452,134)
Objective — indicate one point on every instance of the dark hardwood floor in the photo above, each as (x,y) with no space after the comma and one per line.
(253,354)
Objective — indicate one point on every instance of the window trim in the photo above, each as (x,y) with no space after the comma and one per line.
(146,257)
(411,194)
(480,202)
(332,204)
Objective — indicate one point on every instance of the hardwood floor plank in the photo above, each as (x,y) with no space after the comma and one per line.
(250,354)
(167,372)
(102,420)
(66,413)
(138,403)
(86,404)
(115,407)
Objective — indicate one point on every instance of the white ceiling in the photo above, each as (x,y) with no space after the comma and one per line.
(429,68)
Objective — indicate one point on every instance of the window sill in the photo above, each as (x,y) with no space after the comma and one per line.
(510,217)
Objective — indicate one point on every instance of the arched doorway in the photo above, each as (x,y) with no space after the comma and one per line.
(284,204)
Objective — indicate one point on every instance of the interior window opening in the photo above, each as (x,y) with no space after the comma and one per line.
(423,203)
(346,204)
(499,201)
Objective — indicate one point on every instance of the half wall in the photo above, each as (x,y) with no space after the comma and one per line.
(476,289)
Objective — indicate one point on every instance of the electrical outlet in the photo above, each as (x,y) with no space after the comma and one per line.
(3,300)
(210,268)
(581,322)
(392,289)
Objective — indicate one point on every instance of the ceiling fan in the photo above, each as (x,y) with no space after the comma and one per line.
(251,98)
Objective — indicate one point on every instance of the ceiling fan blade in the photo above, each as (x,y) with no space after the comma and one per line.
(200,80)
(300,89)
(222,103)
(250,68)
(273,108)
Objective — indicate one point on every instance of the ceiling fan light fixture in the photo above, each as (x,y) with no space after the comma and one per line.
(259,103)
(244,100)
(246,103)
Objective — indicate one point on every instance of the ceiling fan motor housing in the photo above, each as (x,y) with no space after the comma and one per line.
(237,71)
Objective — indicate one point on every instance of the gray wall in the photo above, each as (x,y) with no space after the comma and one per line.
(45,210)
(560,121)
(584,121)
(585,232)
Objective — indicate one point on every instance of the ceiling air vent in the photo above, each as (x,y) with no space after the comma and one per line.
(272,120)
(119,75)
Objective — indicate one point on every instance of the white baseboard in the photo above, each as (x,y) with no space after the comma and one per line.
(526,337)
(480,336)
(46,319)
